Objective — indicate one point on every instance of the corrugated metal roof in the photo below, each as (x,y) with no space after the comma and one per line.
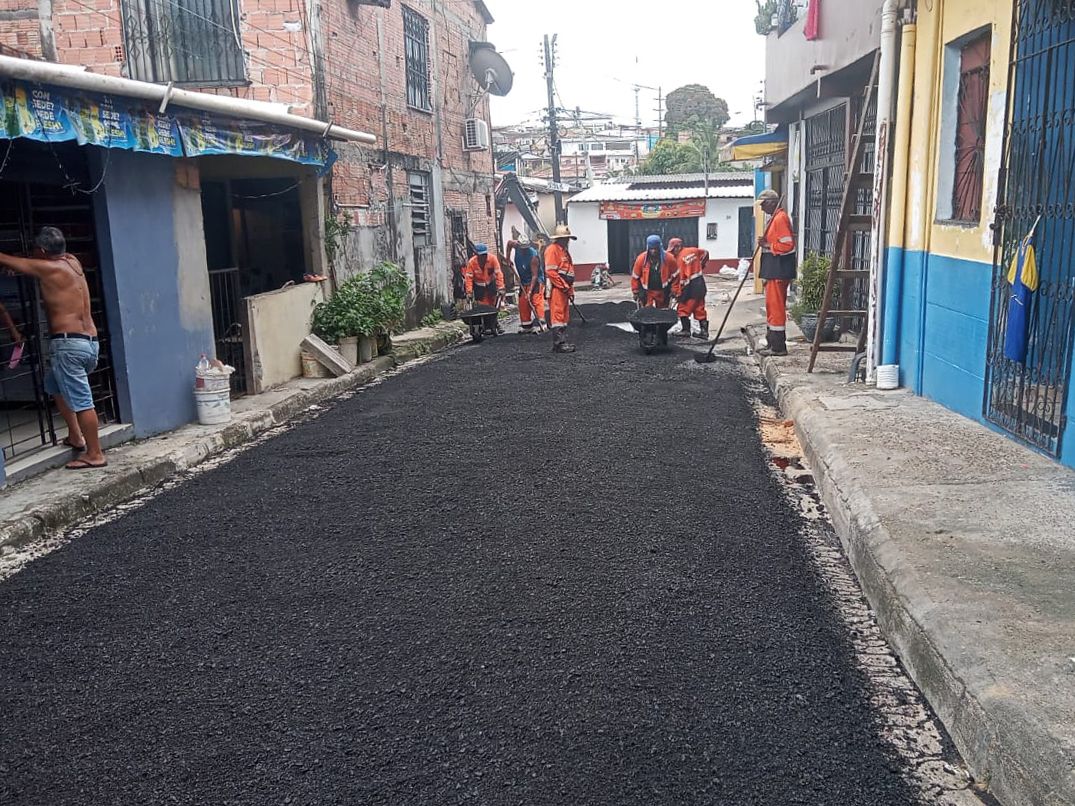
(676,179)
(624,192)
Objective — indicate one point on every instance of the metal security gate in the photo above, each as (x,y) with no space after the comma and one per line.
(825,165)
(28,421)
(1027,387)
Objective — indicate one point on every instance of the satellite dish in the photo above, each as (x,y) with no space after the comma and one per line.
(490,69)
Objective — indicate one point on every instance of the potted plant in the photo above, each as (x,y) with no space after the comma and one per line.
(812,280)
(345,318)
(388,287)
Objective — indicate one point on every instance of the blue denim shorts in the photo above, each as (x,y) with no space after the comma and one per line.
(70,363)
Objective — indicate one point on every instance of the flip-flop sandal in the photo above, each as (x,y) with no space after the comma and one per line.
(82,464)
(16,355)
(67,441)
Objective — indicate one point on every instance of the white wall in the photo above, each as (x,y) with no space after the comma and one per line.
(725,214)
(512,218)
(592,231)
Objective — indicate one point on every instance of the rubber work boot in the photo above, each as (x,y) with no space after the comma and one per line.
(778,345)
(560,343)
(684,328)
(703,330)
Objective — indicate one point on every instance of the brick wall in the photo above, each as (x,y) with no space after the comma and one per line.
(371,95)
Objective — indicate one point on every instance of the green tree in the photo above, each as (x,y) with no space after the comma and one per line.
(694,104)
(670,157)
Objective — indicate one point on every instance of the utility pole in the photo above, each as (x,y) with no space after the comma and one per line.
(554,127)
(660,114)
(638,122)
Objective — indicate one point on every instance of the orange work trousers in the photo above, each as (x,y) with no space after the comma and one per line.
(776,304)
(559,307)
(693,307)
(656,299)
(531,305)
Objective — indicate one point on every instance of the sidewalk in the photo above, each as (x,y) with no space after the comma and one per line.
(61,498)
(964,542)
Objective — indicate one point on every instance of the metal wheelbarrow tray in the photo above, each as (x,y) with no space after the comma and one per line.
(482,321)
(652,326)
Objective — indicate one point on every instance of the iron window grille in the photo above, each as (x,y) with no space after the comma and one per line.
(192,42)
(971,114)
(416,49)
(421,201)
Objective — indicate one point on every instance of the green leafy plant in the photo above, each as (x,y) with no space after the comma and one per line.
(813,277)
(337,226)
(387,287)
(369,304)
(432,318)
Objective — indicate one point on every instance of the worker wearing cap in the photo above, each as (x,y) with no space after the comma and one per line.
(560,286)
(530,274)
(654,274)
(778,270)
(483,279)
(690,287)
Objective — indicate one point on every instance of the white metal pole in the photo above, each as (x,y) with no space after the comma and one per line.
(886,85)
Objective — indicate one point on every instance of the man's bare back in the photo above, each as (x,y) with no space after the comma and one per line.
(64,288)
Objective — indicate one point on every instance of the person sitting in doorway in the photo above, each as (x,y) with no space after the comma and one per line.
(73,347)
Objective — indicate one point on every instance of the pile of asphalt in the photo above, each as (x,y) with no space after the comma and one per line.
(506,577)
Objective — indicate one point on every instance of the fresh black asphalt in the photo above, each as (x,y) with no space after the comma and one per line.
(505,577)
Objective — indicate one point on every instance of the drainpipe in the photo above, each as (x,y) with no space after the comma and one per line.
(897,221)
(886,83)
(69,76)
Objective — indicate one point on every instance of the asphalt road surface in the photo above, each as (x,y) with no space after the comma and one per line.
(504,577)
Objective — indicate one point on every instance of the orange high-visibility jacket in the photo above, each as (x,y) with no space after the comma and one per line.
(640,274)
(692,262)
(559,267)
(475,275)
(779,236)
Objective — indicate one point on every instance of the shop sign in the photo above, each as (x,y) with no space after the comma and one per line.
(634,211)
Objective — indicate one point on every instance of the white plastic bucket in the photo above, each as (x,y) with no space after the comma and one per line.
(211,381)
(888,377)
(214,407)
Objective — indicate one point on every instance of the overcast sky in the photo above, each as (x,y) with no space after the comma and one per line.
(675,42)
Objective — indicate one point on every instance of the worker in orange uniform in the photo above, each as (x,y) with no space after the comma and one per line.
(690,287)
(483,278)
(654,275)
(530,278)
(778,270)
(560,286)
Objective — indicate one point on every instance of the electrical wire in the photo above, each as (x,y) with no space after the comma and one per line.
(7,155)
(73,184)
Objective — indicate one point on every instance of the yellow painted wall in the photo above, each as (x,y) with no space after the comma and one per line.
(940,23)
(278,322)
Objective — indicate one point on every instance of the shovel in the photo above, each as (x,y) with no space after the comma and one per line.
(709,358)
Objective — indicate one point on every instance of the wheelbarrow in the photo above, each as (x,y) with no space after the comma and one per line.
(482,321)
(652,326)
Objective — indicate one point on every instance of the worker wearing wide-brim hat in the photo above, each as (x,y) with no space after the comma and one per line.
(560,286)
(778,270)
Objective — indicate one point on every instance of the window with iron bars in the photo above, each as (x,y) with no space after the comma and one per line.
(421,194)
(416,49)
(971,114)
(191,42)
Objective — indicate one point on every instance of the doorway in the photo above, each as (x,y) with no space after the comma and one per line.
(627,239)
(253,244)
(1027,381)
(28,419)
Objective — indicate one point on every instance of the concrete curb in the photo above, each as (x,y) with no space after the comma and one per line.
(1008,753)
(123,484)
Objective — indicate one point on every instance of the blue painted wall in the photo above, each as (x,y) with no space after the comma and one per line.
(941,327)
(153,351)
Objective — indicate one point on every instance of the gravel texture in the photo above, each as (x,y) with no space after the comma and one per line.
(494,579)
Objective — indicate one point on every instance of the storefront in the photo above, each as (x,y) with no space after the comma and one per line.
(180,217)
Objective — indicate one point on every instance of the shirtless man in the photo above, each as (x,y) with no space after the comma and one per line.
(73,347)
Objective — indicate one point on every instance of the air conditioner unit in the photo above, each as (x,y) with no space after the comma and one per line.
(475,135)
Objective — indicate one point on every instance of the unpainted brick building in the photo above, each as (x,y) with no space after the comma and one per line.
(398,70)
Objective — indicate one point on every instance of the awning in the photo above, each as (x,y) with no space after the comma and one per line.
(55,114)
(759,146)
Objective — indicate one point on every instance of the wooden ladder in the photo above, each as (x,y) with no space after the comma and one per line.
(840,271)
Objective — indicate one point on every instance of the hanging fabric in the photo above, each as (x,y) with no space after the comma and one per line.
(812,30)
